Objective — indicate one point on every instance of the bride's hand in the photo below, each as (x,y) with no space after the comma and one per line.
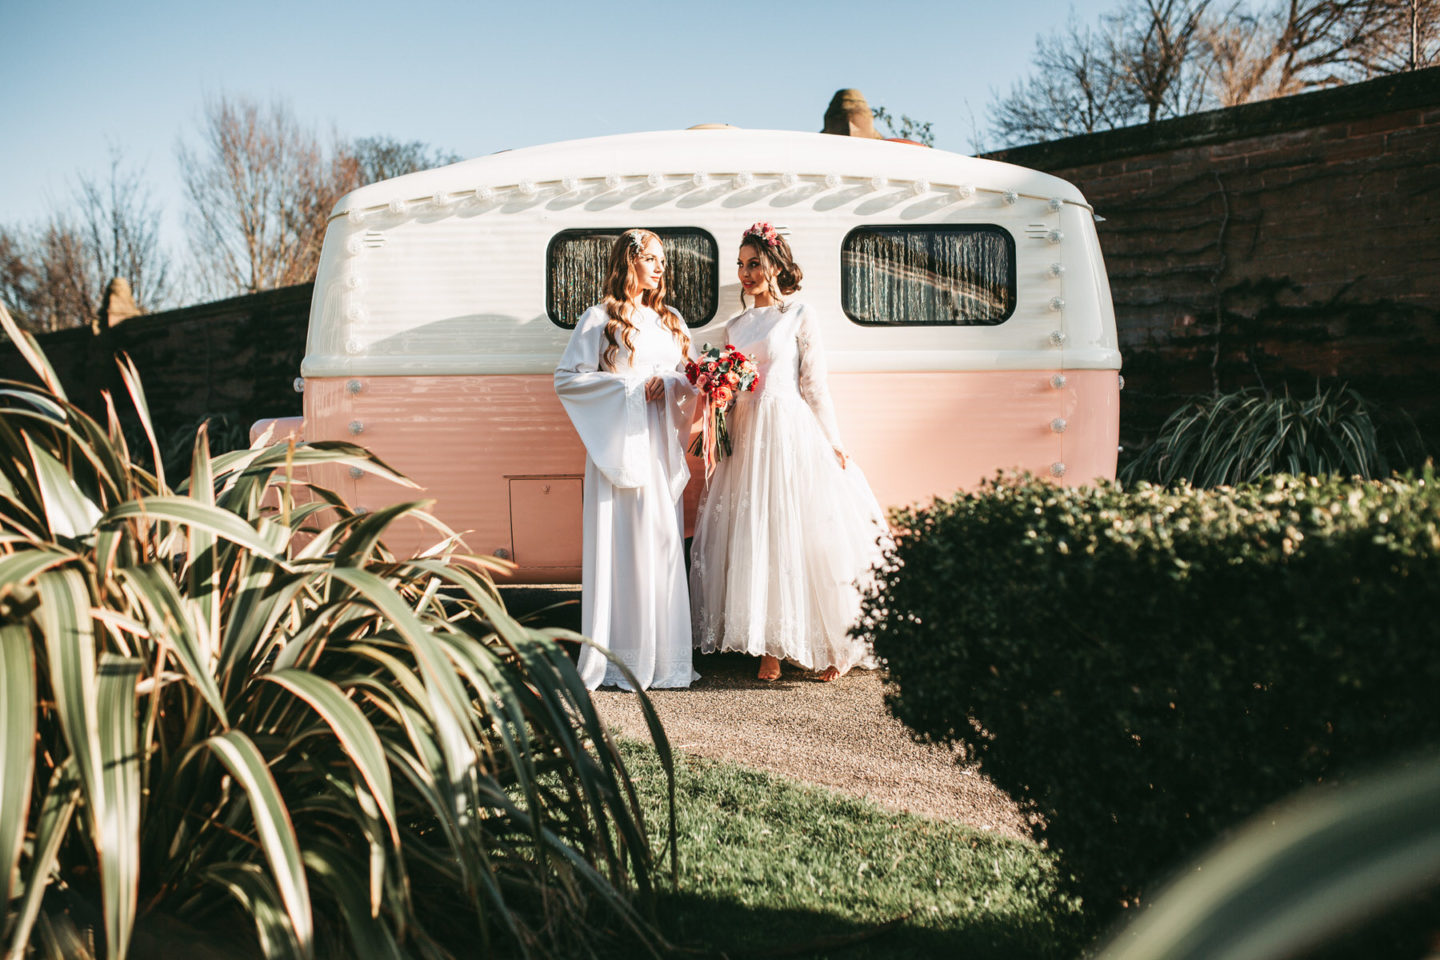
(654,389)
(840,455)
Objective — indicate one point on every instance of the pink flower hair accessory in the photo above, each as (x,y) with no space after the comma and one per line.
(762,230)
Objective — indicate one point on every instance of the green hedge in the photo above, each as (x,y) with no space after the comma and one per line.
(1147,667)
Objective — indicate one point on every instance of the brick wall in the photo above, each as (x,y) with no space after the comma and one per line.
(1272,243)
(235,358)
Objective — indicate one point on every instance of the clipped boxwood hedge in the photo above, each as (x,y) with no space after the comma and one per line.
(1146,667)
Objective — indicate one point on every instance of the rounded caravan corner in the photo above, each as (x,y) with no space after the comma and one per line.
(431,339)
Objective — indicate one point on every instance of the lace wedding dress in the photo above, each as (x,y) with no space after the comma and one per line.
(784,537)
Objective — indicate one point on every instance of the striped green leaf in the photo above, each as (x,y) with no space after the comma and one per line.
(118,839)
(186,512)
(68,512)
(57,809)
(351,728)
(17,747)
(255,892)
(63,617)
(30,350)
(276,833)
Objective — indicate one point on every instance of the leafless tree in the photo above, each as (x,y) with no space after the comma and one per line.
(1075,89)
(54,275)
(120,229)
(1406,37)
(1155,47)
(260,189)
(1153,59)
(380,158)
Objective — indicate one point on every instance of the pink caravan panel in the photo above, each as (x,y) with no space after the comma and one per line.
(500,459)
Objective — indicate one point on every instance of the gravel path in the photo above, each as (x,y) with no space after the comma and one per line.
(835,734)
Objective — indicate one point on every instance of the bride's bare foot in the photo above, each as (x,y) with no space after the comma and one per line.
(831,673)
(769,668)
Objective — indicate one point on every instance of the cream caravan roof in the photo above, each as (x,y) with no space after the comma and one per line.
(725,151)
(444,271)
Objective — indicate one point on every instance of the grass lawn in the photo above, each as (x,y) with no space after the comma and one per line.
(772,867)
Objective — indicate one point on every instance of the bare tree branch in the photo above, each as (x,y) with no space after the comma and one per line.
(260,189)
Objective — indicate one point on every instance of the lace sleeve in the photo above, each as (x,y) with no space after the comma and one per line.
(814,377)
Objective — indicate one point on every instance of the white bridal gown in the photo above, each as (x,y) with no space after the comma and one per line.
(633,599)
(784,537)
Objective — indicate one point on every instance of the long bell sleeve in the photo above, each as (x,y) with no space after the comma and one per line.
(814,377)
(607,407)
(678,416)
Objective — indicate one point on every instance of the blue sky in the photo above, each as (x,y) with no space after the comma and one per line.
(477,77)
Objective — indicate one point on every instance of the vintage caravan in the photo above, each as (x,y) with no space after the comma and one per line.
(966,315)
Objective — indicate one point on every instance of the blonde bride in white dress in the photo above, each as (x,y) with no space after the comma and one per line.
(621,382)
(788,529)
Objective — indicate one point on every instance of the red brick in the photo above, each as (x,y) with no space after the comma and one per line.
(1386,122)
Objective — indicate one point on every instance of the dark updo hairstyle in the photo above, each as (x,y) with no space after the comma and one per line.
(784,273)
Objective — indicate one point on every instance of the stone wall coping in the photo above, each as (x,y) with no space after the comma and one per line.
(1354,101)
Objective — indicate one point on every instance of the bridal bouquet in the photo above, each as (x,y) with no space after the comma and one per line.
(718,376)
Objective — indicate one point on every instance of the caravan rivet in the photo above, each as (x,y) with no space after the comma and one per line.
(1058,381)
(399,207)
(1058,338)
(353,386)
(1122,380)
(701,179)
(357,427)
(964,192)
(744,179)
(1057,469)
(483,194)
(568,184)
(832,180)
(788,180)
(1056,203)
(355,215)
(1057,303)
(878,183)
(654,179)
(1057,269)
(528,188)
(502,553)
(441,198)
(354,245)
(356,473)
(612,180)
(1054,236)
(1010,197)
(1058,425)
(920,187)
(299,384)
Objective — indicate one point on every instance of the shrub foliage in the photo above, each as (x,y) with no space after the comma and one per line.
(1144,668)
(1244,436)
(218,716)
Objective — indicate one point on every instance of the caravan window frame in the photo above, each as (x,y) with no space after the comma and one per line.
(1012,274)
(662,232)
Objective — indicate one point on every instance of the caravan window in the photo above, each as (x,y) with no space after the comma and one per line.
(956,274)
(578,260)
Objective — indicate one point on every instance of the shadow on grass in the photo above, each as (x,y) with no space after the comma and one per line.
(700,926)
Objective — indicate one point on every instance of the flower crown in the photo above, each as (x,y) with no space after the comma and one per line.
(762,230)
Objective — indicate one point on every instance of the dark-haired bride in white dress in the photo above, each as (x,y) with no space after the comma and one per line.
(788,528)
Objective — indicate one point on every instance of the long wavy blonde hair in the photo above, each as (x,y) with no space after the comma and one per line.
(623,293)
